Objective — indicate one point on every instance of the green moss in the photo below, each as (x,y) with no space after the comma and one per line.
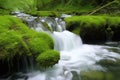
(88,26)
(11,41)
(29,40)
(48,58)
(18,42)
(11,44)
(113,21)
(38,45)
(12,23)
(40,36)
(86,20)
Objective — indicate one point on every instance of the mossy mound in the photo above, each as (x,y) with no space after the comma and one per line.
(38,42)
(48,58)
(94,28)
(87,27)
(11,41)
(12,23)
(11,45)
(18,42)
(35,42)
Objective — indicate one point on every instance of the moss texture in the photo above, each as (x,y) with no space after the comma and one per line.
(48,58)
(17,42)
(11,45)
(11,41)
(94,28)
(114,24)
(31,38)
(40,43)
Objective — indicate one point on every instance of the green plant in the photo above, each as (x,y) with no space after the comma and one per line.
(48,58)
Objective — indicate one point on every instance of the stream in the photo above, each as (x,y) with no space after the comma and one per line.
(78,61)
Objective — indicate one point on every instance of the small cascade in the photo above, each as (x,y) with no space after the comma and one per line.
(42,23)
(66,41)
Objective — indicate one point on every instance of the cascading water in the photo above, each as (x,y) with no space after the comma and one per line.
(75,57)
(66,40)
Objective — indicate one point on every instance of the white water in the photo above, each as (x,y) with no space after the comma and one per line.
(66,41)
(74,56)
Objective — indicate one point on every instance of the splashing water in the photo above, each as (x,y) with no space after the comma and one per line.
(74,56)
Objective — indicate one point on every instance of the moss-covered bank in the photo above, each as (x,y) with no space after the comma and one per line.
(95,28)
(17,41)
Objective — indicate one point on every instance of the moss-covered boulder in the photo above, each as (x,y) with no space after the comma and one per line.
(95,28)
(18,42)
(11,41)
(13,30)
(48,58)
(12,23)
(11,44)
(90,28)
(38,42)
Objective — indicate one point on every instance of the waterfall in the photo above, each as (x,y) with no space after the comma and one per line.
(74,56)
(66,40)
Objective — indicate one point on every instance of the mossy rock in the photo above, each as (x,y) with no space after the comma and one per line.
(38,45)
(37,42)
(17,38)
(87,20)
(12,23)
(19,42)
(11,45)
(87,27)
(95,28)
(48,58)
(44,42)
(11,41)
